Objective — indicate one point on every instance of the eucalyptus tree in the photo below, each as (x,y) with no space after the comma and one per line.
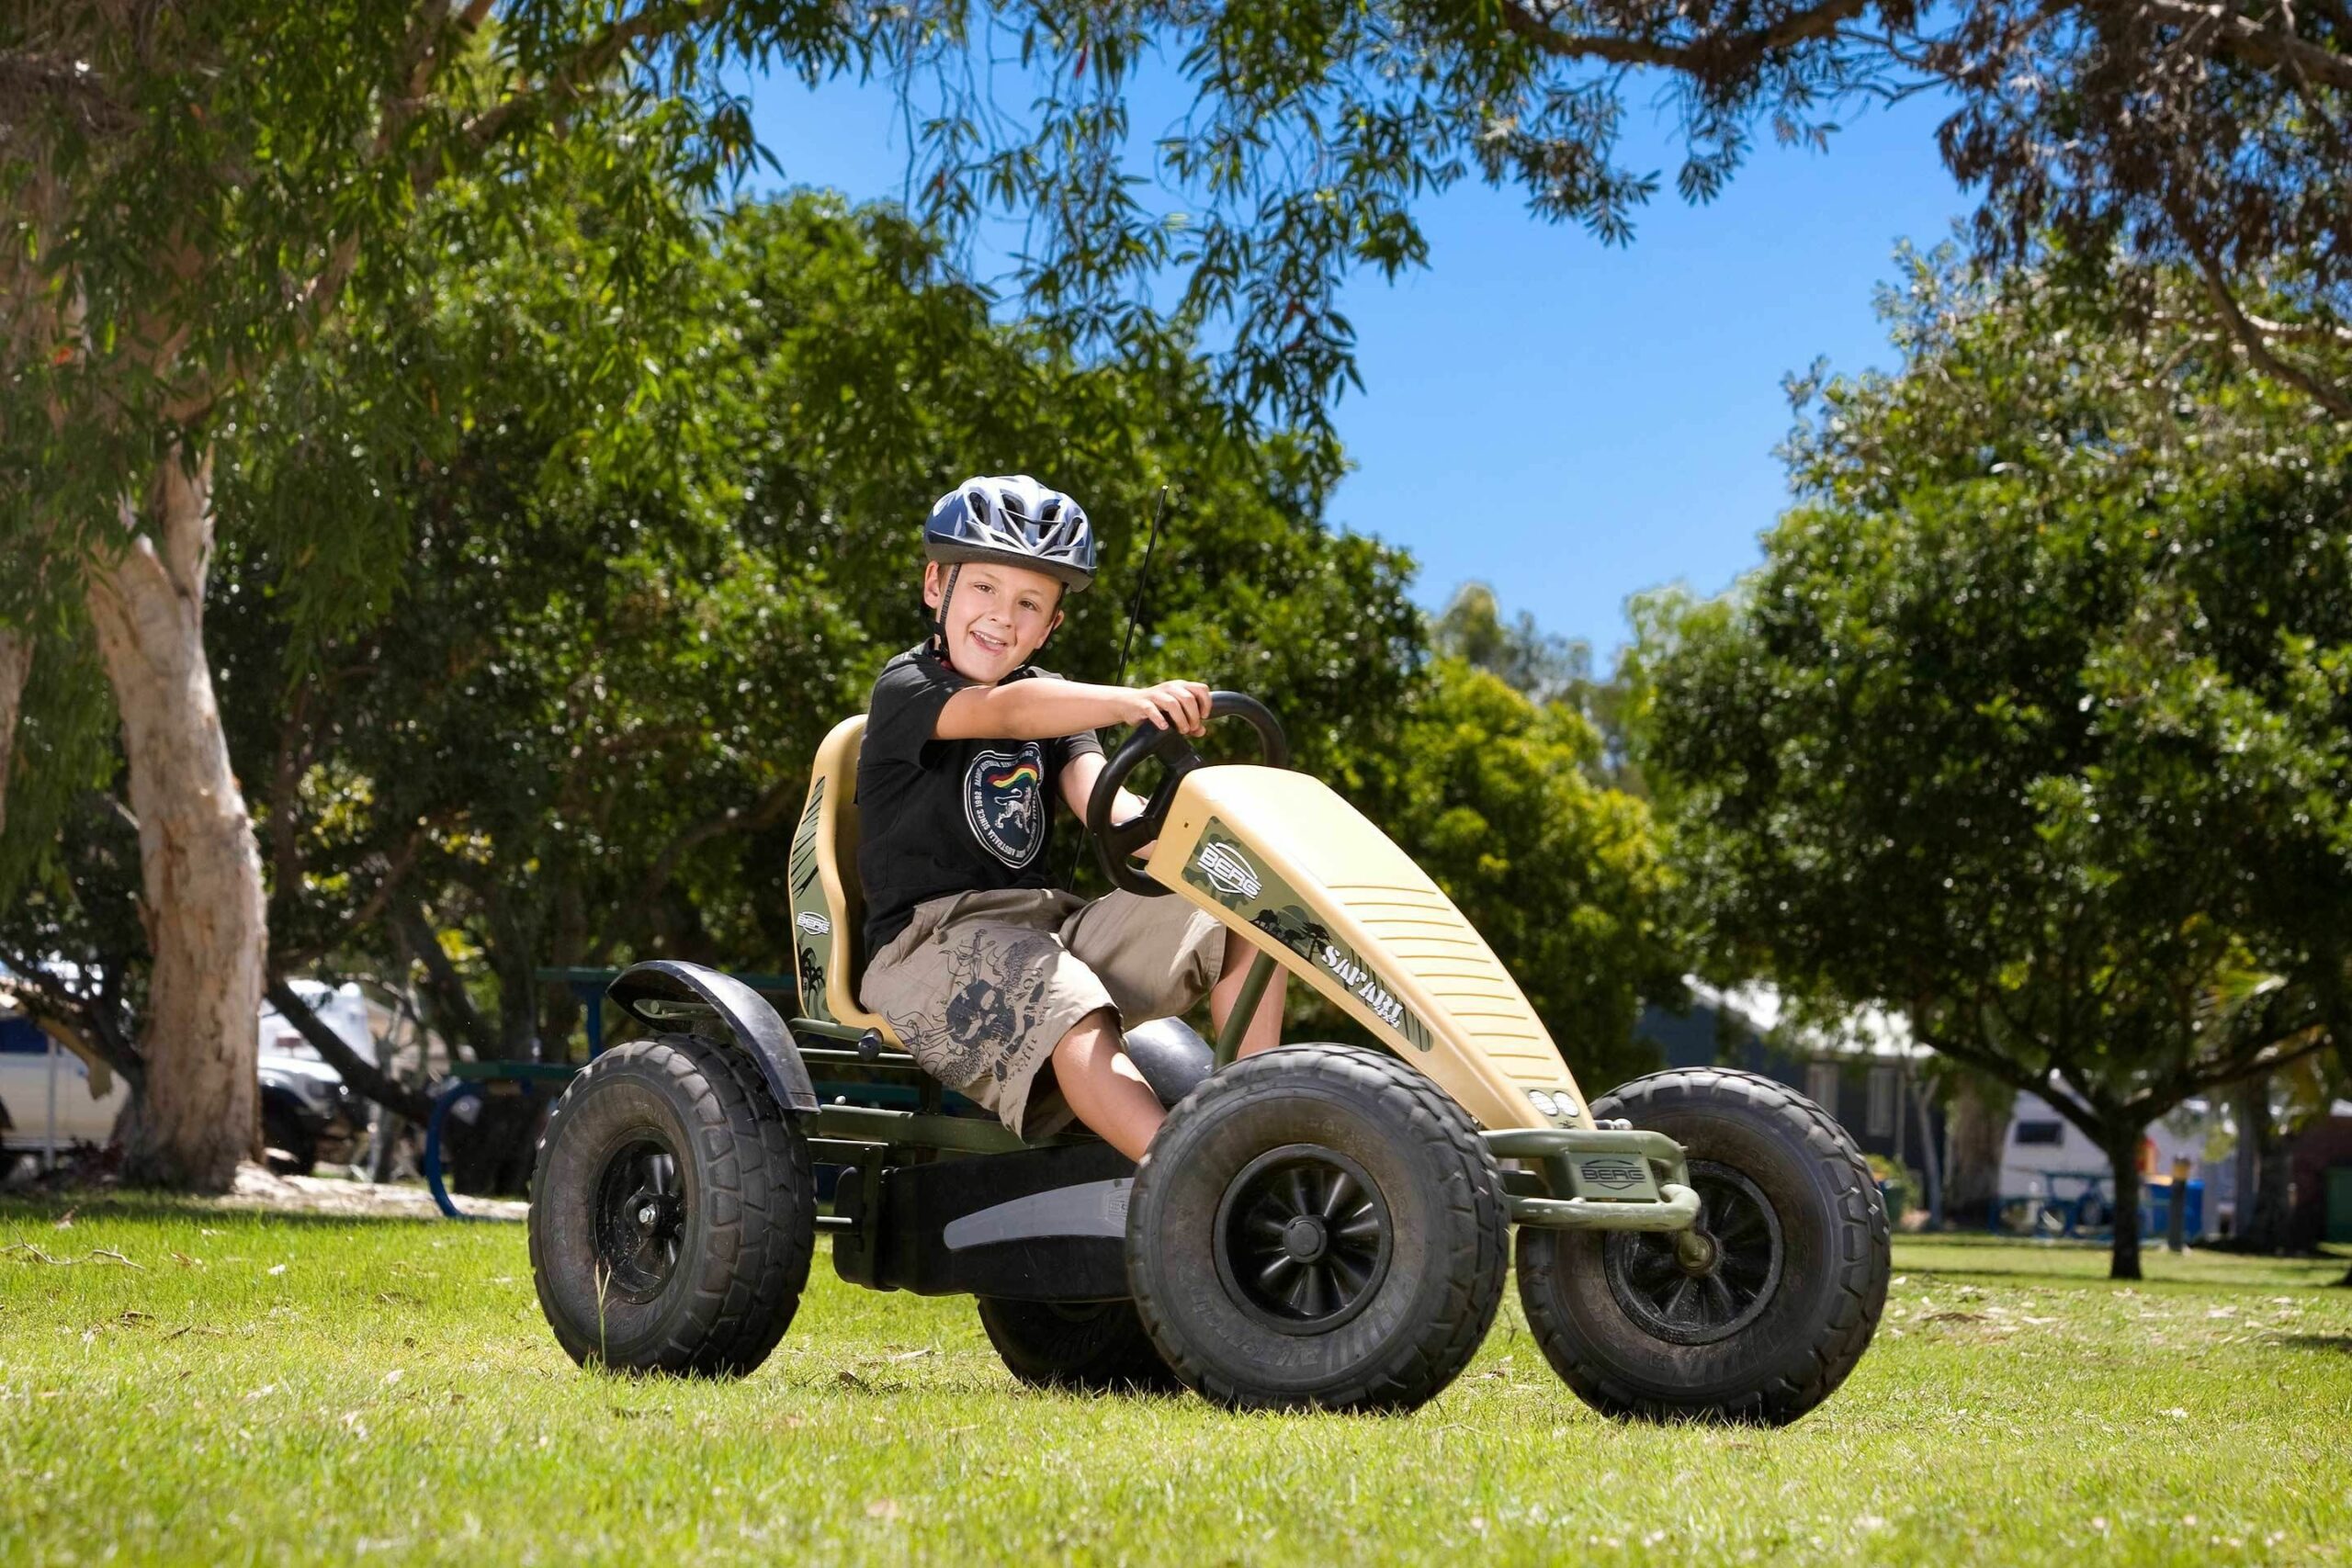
(2033,724)
(193,190)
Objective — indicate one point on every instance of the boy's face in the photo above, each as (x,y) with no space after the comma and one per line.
(998,617)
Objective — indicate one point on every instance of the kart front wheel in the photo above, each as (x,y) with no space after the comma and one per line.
(1759,1316)
(1318,1226)
(1085,1346)
(672,1212)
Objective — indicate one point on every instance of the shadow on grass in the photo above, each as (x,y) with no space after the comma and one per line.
(2324,1344)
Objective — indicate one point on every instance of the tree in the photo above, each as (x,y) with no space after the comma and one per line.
(2215,138)
(194,190)
(1543,667)
(2033,723)
(575,729)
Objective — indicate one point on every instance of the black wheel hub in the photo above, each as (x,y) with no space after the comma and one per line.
(1303,1238)
(1709,1283)
(640,1220)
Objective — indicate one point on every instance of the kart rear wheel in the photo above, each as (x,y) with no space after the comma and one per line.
(672,1212)
(1318,1226)
(1085,1346)
(1763,1319)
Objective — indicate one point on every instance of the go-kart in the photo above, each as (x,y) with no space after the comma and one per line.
(1321,1225)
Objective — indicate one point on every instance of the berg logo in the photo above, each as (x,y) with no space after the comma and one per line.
(1228,872)
(1612,1172)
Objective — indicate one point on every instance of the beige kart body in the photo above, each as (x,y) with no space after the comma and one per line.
(1281,857)
(1302,874)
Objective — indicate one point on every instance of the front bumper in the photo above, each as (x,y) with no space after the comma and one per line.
(1595,1178)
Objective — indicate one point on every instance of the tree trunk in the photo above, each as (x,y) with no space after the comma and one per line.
(2123,1155)
(1974,1131)
(2272,1230)
(16,668)
(2253,1110)
(200,873)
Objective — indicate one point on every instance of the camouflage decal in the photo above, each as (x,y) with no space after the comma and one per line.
(1224,868)
(809,910)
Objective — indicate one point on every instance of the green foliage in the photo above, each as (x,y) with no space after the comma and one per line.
(1544,668)
(576,727)
(2032,725)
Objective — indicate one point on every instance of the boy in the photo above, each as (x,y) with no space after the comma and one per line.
(1006,988)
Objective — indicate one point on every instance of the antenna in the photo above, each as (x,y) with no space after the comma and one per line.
(1127,643)
(1143,585)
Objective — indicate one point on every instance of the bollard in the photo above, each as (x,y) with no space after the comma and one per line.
(2176,1209)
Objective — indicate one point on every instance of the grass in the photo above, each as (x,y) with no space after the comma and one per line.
(247,1388)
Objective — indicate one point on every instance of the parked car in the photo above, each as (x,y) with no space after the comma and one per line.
(51,1099)
(308,1112)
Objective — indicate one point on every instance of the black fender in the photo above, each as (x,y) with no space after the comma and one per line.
(662,993)
(1171,1057)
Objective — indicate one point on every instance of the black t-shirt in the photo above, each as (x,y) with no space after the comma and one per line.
(940,817)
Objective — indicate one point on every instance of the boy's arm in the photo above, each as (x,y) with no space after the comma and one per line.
(1078,788)
(1045,710)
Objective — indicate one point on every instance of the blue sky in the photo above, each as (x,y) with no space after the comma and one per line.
(1567,422)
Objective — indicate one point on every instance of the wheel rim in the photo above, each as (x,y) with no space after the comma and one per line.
(640,1220)
(1696,1297)
(1303,1239)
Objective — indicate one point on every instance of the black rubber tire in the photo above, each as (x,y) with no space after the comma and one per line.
(1810,1323)
(1428,1303)
(292,1149)
(744,1219)
(1075,1346)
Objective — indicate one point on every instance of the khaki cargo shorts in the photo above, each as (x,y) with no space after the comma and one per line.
(981,986)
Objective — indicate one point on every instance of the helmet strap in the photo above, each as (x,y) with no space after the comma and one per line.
(939,617)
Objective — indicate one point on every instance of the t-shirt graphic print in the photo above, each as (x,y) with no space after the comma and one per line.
(1004,802)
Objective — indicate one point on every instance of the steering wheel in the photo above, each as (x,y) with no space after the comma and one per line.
(1114,842)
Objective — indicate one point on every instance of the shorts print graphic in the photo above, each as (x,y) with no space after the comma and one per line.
(1004,803)
(996,995)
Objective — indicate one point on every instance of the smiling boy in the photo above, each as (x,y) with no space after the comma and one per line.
(1004,986)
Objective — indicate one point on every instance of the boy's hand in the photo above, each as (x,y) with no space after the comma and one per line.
(1181,706)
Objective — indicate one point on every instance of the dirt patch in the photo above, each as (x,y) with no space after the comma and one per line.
(258,1188)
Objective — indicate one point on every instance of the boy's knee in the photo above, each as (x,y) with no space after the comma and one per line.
(1096,1030)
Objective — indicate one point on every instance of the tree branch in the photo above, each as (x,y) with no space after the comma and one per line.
(443,982)
(2240,37)
(2257,346)
(357,1071)
(15,669)
(372,905)
(1803,27)
(585,68)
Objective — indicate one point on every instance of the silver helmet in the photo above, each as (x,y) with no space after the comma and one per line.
(1012,519)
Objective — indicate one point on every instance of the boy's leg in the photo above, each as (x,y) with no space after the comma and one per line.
(1103,1087)
(1266,1027)
(1156,957)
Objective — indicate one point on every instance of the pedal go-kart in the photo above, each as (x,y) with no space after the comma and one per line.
(1317,1226)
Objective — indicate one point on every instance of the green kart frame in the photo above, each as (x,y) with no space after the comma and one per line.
(1321,1224)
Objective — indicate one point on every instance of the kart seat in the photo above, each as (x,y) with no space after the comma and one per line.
(829,926)
(828,907)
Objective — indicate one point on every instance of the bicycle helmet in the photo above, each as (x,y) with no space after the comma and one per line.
(1012,519)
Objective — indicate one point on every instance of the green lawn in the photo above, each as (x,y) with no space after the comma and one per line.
(194,1385)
